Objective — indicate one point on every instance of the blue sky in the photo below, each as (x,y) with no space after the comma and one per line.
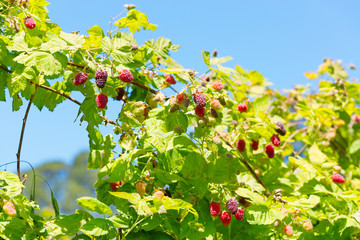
(281,39)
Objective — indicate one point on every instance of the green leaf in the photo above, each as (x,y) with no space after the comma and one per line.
(13,185)
(256,198)
(134,21)
(92,204)
(355,146)
(125,195)
(303,203)
(316,156)
(106,45)
(54,204)
(261,104)
(206,57)
(96,227)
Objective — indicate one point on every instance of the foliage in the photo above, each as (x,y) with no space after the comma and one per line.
(173,164)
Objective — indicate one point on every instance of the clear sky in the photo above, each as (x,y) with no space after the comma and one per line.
(281,39)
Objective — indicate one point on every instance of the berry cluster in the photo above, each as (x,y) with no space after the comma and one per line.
(225,216)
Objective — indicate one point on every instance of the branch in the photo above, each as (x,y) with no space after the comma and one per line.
(5,69)
(248,166)
(22,134)
(143,87)
(57,92)
(293,135)
(71,99)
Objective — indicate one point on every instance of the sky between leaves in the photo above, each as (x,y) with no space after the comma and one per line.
(281,39)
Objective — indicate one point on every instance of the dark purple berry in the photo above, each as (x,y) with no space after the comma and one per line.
(232,205)
(100,78)
(200,99)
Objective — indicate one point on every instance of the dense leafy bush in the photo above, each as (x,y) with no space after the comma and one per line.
(286,165)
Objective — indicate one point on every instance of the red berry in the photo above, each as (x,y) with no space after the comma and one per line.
(239,214)
(232,205)
(126,76)
(242,107)
(29,23)
(200,111)
(269,149)
(225,218)
(240,145)
(215,209)
(9,209)
(275,140)
(357,119)
(337,178)
(200,99)
(101,101)
(80,78)
(115,185)
(255,144)
(100,78)
(288,230)
(170,79)
(180,98)
(307,225)
(217,85)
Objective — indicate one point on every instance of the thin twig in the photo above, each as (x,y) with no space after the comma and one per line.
(144,87)
(243,160)
(5,69)
(57,92)
(22,133)
(296,123)
(293,135)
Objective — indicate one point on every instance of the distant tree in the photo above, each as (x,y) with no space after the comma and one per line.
(68,182)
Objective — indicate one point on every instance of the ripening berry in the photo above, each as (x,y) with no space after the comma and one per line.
(9,209)
(100,78)
(217,85)
(225,218)
(269,149)
(242,107)
(80,78)
(101,101)
(232,205)
(200,111)
(126,76)
(240,145)
(288,230)
(337,178)
(159,194)
(180,98)
(307,225)
(115,185)
(200,99)
(239,214)
(255,144)
(170,79)
(215,104)
(275,140)
(215,209)
(141,188)
(30,23)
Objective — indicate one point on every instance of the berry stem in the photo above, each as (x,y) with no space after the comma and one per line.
(293,135)
(243,160)
(22,134)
